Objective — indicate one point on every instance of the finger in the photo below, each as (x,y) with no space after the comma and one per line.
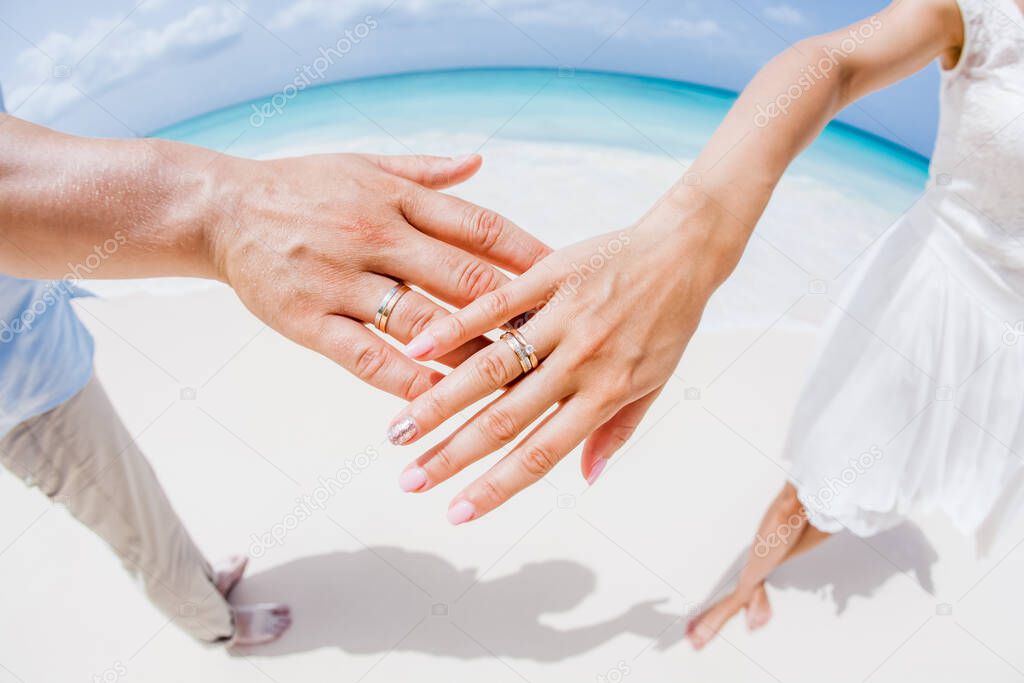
(479,231)
(369,358)
(429,171)
(487,313)
(409,316)
(486,372)
(491,428)
(610,437)
(528,462)
(445,271)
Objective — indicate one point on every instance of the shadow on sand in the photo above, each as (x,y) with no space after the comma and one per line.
(846,566)
(377,600)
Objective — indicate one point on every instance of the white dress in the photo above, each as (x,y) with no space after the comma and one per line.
(916,401)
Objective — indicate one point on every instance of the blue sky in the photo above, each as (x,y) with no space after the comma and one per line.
(124,67)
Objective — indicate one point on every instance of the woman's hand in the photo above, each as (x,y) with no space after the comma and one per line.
(616,312)
(613,316)
(312,245)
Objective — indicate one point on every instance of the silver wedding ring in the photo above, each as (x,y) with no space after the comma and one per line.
(525,353)
(387,306)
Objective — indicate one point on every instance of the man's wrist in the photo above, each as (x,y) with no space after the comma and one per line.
(198,189)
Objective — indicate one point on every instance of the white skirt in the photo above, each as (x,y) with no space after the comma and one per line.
(917,397)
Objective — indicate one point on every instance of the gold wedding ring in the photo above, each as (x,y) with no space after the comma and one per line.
(387,306)
(525,353)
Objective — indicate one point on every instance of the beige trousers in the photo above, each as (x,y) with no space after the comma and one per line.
(80,455)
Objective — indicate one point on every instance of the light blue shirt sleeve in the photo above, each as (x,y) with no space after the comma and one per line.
(45,352)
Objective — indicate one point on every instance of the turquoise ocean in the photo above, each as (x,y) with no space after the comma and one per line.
(568,153)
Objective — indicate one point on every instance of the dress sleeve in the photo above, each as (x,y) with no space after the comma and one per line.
(992,34)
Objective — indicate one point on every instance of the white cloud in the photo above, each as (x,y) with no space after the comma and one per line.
(110,51)
(562,13)
(691,28)
(784,14)
(519,12)
(320,11)
(106,52)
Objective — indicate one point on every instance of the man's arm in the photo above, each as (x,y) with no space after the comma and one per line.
(62,197)
(310,244)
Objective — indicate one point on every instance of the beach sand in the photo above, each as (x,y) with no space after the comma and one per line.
(563,583)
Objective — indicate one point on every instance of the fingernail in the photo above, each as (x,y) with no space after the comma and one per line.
(413,479)
(461,512)
(403,431)
(596,470)
(421,345)
(462,159)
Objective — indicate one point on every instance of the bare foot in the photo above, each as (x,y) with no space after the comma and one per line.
(227,575)
(758,609)
(260,624)
(702,629)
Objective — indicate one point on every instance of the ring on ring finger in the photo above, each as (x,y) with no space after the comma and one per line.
(387,306)
(526,354)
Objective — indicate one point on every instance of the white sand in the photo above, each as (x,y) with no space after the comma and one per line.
(557,585)
(552,588)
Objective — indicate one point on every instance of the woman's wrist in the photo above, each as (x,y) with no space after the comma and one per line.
(697,233)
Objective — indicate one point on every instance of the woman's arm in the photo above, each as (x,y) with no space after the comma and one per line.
(310,244)
(616,312)
(788,103)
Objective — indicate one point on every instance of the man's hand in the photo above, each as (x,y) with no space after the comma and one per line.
(311,244)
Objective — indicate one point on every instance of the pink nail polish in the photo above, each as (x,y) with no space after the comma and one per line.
(596,470)
(403,431)
(421,345)
(461,512)
(413,479)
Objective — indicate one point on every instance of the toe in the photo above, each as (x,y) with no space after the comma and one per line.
(230,573)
